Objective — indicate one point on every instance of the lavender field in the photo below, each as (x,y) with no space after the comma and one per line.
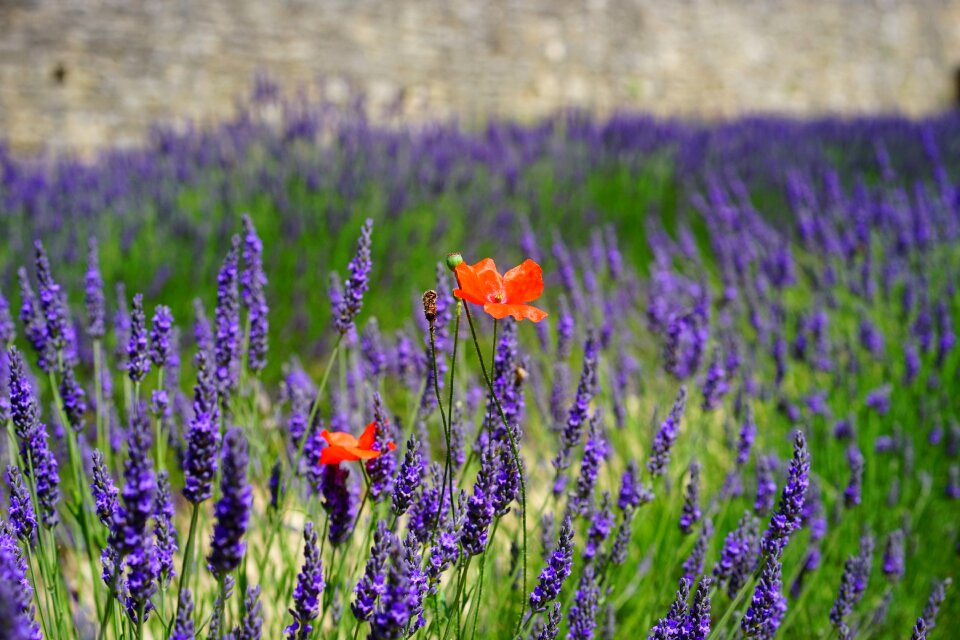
(259,380)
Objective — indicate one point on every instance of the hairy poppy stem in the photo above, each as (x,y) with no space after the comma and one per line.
(446,425)
(516,460)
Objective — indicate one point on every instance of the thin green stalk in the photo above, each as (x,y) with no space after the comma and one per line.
(156,427)
(98,395)
(516,459)
(446,432)
(456,598)
(187,564)
(483,562)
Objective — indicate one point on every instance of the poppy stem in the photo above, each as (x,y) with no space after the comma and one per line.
(447,418)
(516,460)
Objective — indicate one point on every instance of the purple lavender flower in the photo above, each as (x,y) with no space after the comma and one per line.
(557,570)
(183,628)
(35,324)
(853,491)
(548,630)
(693,565)
(409,478)
(52,304)
(252,282)
(232,510)
(565,329)
(35,453)
(686,340)
(160,329)
(766,610)
(164,529)
(621,542)
(506,484)
(947,338)
(20,512)
(871,339)
(251,625)
(879,399)
(202,331)
(632,492)
(853,582)
(74,399)
(696,624)
(746,437)
(310,583)
(741,551)
(138,362)
(932,607)
(203,436)
(788,516)
(128,536)
(372,350)
(671,626)
(93,298)
(121,326)
(104,491)
(582,620)
(16,610)
(401,604)
(690,514)
(594,453)
(338,502)
(666,436)
(893,556)
(480,509)
(580,408)
(357,282)
(227,320)
(374,580)
(601,524)
(715,385)
(919,630)
(381,469)
(953,482)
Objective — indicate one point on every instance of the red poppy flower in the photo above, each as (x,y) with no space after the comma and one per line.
(344,447)
(505,295)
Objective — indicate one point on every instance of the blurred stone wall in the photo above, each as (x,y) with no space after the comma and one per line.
(79,73)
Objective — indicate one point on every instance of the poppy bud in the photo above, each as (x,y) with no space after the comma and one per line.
(430,305)
(453,260)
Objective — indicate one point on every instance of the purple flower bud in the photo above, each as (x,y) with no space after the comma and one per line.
(74,399)
(594,453)
(227,320)
(164,529)
(582,619)
(374,580)
(338,502)
(740,554)
(671,625)
(232,510)
(138,362)
(203,436)
(409,478)
(251,625)
(766,610)
(893,556)
(357,282)
(161,327)
(548,630)
(580,408)
(632,492)
(788,516)
(480,509)
(310,583)
(666,436)
(93,298)
(693,565)
(932,607)
(715,385)
(401,604)
(601,524)
(853,582)
(35,324)
(690,514)
(852,493)
(104,491)
(252,282)
(696,624)
(16,610)
(183,628)
(20,512)
(556,572)
(746,437)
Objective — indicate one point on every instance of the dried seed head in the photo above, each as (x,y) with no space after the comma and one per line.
(430,306)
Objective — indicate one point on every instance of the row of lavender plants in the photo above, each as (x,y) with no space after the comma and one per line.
(751,434)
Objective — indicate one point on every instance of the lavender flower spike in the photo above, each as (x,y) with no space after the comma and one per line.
(183,628)
(357,282)
(557,570)
(93,293)
(374,580)
(203,436)
(21,515)
(160,330)
(667,436)
(227,321)
(690,514)
(409,478)
(164,529)
(582,619)
(16,610)
(252,282)
(138,362)
(853,582)
(233,509)
(671,626)
(104,491)
(306,596)
(788,516)
(768,605)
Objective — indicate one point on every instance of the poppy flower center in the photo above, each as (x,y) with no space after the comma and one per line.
(497,297)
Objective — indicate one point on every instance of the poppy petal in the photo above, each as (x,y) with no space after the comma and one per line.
(366,439)
(470,288)
(518,311)
(336,455)
(363,454)
(491,282)
(523,283)
(338,438)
